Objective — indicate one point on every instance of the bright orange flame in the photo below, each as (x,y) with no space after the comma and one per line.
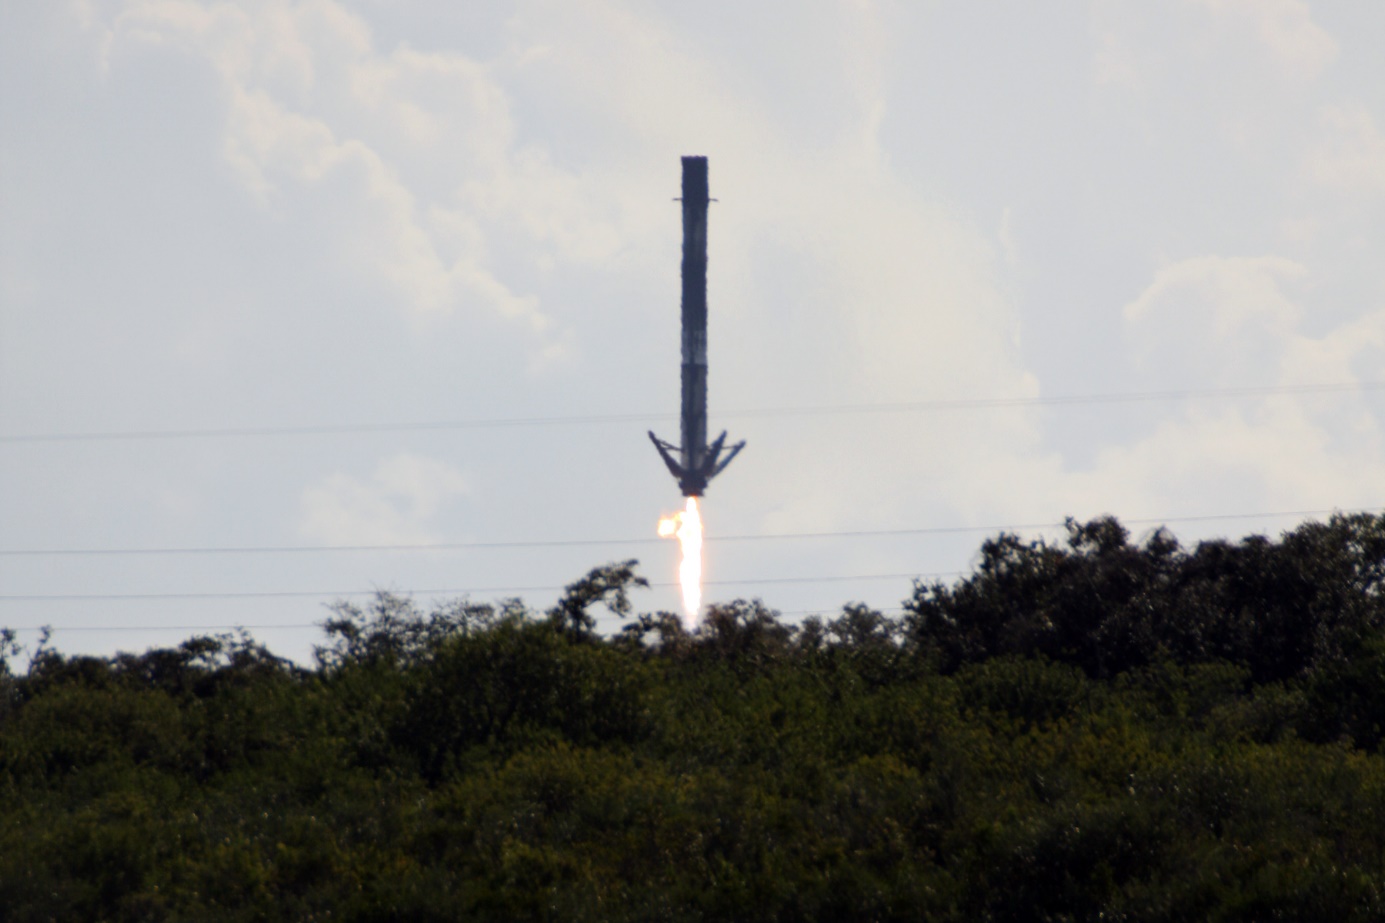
(687,526)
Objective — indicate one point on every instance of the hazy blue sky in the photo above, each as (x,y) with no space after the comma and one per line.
(288,215)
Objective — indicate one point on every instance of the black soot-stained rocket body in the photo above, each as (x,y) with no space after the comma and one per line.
(695,462)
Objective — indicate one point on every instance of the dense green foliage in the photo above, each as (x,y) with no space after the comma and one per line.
(1094,730)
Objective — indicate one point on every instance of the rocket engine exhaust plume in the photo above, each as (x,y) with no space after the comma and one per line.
(687,527)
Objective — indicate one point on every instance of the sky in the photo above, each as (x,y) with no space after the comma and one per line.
(282,279)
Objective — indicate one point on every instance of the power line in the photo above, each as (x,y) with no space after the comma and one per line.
(63,628)
(578,543)
(472,591)
(766,412)
(467,591)
(298,626)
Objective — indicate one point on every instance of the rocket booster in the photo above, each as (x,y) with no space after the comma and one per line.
(695,462)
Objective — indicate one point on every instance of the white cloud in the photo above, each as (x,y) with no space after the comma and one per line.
(415,168)
(853,288)
(1351,158)
(1228,291)
(1225,322)
(833,281)
(1337,355)
(1285,28)
(394,506)
(1236,321)
(407,157)
(1287,452)
(1214,321)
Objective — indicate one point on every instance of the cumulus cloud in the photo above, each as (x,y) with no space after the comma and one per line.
(395,505)
(409,158)
(1217,459)
(1285,28)
(1216,321)
(438,176)
(1351,156)
(834,281)
(1149,49)
(340,210)
(1227,304)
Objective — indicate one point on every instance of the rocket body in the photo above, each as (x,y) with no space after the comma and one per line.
(694,463)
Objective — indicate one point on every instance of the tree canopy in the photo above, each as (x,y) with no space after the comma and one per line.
(1089,729)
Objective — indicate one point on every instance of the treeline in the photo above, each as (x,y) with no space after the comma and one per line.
(1092,729)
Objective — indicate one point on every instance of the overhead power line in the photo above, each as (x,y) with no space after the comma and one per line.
(298,626)
(463,591)
(611,542)
(764,412)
